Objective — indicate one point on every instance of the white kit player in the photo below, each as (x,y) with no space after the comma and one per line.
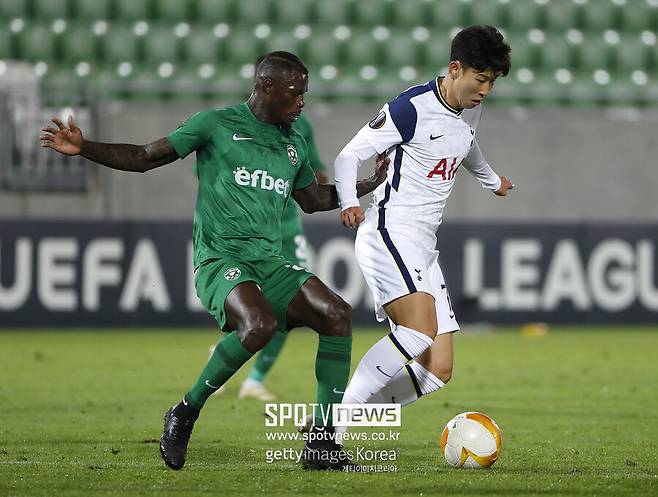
(430,133)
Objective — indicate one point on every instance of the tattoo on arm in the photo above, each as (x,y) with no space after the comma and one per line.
(126,157)
(322,197)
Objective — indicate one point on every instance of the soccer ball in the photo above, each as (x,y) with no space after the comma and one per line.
(471,440)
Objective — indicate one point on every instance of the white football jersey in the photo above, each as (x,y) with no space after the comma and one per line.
(428,142)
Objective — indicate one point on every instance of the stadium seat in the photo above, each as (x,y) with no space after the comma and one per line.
(174,10)
(161,45)
(524,54)
(525,16)
(562,15)
(410,13)
(132,10)
(490,12)
(631,54)
(37,42)
(201,47)
(6,51)
(51,9)
(436,55)
(593,54)
(372,13)
(599,16)
(252,12)
(447,14)
(323,49)
(636,16)
(333,13)
(555,53)
(242,48)
(215,11)
(283,39)
(402,50)
(92,9)
(11,9)
(119,44)
(294,12)
(78,45)
(368,53)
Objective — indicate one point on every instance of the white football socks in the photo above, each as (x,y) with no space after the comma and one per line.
(383,361)
(407,386)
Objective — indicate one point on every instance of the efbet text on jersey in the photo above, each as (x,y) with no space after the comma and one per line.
(260,178)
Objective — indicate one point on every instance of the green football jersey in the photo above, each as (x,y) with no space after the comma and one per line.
(291,223)
(247,170)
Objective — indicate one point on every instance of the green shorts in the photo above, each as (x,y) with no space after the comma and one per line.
(278,279)
(295,249)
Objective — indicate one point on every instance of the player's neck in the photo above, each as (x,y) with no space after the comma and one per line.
(260,111)
(446,89)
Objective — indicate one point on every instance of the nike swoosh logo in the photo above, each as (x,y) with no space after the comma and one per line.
(382,372)
(432,137)
(184,401)
(208,384)
(337,391)
(238,138)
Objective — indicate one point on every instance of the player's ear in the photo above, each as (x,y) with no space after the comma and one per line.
(267,85)
(454,68)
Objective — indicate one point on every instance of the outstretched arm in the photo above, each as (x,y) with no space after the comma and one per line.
(124,157)
(478,166)
(323,197)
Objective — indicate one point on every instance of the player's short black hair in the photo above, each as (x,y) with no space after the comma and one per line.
(278,65)
(481,48)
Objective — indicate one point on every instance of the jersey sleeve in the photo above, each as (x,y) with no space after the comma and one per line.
(193,134)
(395,124)
(478,166)
(305,175)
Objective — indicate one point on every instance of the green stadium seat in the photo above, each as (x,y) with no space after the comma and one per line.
(562,15)
(37,42)
(368,53)
(490,12)
(174,10)
(252,12)
(294,12)
(372,13)
(599,16)
(242,48)
(6,44)
(51,9)
(435,56)
(216,11)
(78,45)
(638,16)
(161,45)
(526,15)
(524,53)
(201,47)
(284,40)
(133,10)
(10,9)
(555,53)
(447,14)
(120,44)
(593,54)
(410,13)
(631,54)
(322,49)
(334,13)
(402,50)
(92,9)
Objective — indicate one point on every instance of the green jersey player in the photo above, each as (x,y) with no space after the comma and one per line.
(249,163)
(294,249)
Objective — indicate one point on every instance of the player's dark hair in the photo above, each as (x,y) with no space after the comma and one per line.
(278,65)
(481,48)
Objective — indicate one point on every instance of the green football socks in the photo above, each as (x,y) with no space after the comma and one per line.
(332,370)
(228,357)
(267,356)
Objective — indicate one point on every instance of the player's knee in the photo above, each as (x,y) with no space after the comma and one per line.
(258,331)
(339,316)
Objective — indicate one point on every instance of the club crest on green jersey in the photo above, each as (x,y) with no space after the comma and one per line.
(292,154)
(232,273)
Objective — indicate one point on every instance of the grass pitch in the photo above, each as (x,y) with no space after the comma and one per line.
(81,413)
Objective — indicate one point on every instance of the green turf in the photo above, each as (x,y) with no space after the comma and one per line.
(80,413)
